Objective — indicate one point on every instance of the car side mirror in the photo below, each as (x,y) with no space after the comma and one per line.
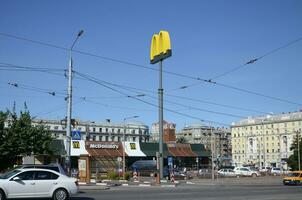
(16,178)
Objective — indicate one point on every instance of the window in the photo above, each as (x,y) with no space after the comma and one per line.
(112,130)
(56,127)
(93,129)
(101,130)
(43,175)
(134,139)
(107,138)
(25,176)
(106,130)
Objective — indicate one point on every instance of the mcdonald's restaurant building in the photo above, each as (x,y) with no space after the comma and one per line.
(97,158)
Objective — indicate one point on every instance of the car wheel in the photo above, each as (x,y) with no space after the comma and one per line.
(2,195)
(60,194)
(254,175)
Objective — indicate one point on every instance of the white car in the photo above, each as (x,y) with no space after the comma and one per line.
(276,171)
(226,172)
(36,183)
(245,171)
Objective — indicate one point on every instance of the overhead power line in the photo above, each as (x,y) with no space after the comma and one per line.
(164,71)
(36,89)
(216,104)
(95,80)
(136,90)
(252,61)
(175,103)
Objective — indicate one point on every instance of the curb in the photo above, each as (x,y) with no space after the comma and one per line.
(91,187)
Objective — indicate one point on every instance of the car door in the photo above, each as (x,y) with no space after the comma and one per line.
(45,182)
(24,187)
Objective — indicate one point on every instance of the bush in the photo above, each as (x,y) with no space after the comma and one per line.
(113,176)
(127,176)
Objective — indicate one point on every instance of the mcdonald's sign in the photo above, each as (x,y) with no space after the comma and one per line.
(160,47)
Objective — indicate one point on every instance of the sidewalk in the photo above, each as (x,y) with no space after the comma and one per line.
(265,180)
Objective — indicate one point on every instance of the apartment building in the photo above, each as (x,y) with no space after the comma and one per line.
(200,134)
(103,131)
(265,140)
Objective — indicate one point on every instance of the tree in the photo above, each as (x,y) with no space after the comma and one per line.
(20,138)
(293,159)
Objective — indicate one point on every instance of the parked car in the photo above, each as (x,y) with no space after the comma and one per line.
(293,178)
(276,171)
(54,166)
(265,170)
(227,172)
(245,171)
(36,183)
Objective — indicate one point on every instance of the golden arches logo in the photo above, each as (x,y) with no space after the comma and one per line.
(160,47)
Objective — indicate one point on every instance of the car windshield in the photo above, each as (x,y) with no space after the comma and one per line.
(294,174)
(9,174)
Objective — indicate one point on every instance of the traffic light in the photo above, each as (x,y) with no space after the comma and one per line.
(160,47)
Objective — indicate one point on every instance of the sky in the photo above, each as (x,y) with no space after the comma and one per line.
(208,38)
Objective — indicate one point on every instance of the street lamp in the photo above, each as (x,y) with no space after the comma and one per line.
(124,163)
(212,151)
(299,160)
(69,102)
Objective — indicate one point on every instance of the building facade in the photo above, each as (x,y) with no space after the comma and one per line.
(103,131)
(265,140)
(169,129)
(221,138)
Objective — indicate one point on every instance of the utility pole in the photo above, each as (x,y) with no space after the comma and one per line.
(299,160)
(212,150)
(69,104)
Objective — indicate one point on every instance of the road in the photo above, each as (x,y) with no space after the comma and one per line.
(248,191)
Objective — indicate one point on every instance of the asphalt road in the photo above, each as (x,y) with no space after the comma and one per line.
(196,192)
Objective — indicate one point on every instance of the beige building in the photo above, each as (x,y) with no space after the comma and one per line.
(265,140)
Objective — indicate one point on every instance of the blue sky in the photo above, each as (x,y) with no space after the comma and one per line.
(208,38)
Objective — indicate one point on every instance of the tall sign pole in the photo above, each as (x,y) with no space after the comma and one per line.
(161,116)
(69,104)
(160,50)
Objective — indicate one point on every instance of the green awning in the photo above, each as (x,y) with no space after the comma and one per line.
(57,147)
(150,149)
(200,150)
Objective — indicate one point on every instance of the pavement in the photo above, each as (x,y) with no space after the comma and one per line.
(149,182)
(245,188)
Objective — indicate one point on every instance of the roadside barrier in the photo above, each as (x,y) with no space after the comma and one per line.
(172,178)
(135,178)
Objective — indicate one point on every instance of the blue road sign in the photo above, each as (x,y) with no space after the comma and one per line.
(76,135)
(170,161)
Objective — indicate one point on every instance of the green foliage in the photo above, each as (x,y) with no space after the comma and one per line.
(113,176)
(293,159)
(127,176)
(20,138)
